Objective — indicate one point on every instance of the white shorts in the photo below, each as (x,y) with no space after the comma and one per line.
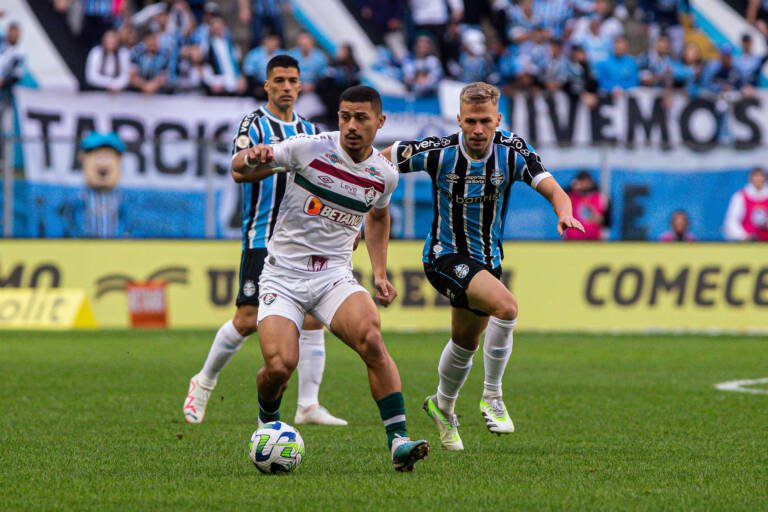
(293,293)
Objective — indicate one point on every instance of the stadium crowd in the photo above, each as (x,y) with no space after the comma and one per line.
(582,47)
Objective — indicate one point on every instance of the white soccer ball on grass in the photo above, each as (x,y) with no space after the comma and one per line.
(276,447)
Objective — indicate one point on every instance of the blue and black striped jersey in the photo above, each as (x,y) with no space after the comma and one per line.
(470,196)
(261,201)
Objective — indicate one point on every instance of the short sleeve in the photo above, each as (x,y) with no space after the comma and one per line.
(528,167)
(248,133)
(418,155)
(288,152)
(389,187)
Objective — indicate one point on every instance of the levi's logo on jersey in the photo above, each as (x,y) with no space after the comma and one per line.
(315,207)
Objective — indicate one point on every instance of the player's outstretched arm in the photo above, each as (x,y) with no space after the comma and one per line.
(549,188)
(376,241)
(254,164)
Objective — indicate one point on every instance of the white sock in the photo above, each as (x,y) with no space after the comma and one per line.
(497,348)
(311,366)
(453,370)
(225,345)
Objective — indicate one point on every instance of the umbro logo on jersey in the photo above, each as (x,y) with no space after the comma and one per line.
(452,177)
(315,207)
(325,179)
(274,139)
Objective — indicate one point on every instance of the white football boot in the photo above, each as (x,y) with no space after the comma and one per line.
(197,398)
(496,416)
(317,415)
(447,425)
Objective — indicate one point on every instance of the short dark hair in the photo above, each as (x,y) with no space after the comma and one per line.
(282,61)
(362,94)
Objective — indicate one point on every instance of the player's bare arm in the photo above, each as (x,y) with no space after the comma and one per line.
(549,188)
(254,164)
(377,224)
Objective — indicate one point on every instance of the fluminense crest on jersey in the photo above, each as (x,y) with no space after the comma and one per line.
(268,298)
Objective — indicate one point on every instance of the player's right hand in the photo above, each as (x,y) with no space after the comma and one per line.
(259,154)
(385,291)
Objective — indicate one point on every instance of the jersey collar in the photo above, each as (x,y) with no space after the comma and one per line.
(277,119)
(466,154)
(345,155)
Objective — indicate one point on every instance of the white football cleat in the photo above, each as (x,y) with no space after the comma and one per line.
(317,415)
(197,399)
(496,416)
(447,425)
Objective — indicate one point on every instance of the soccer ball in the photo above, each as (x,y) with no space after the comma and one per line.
(276,447)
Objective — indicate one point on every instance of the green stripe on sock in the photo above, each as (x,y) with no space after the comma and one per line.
(269,411)
(390,407)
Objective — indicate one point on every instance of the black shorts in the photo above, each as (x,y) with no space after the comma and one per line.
(450,275)
(251,265)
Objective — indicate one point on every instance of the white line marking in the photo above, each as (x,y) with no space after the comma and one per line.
(739,386)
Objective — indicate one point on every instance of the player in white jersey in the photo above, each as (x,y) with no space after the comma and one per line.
(274,121)
(335,179)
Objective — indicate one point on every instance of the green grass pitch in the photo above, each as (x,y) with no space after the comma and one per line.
(92,421)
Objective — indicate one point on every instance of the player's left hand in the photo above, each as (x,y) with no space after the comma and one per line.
(568,222)
(385,292)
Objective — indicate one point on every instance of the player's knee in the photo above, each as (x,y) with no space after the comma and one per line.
(506,309)
(245,323)
(371,345)
(278,371)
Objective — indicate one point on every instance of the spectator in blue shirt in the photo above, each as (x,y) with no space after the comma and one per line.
(149,65)
(312,61)
(721,75)
(222,73)
(749,64)
(667,17)
(596,45)
(690,72)
(521,21)
(533,59)
(255,65)
(657,67)
(423,71)
(11,62)
(261,12)
(475,64)
(619,72)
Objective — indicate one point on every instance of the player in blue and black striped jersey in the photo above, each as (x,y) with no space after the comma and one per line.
(268,124)
(472,175)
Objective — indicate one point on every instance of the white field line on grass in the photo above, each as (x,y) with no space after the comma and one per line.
(740,386)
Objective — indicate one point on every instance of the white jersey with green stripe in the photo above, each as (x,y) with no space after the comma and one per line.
(326,197)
